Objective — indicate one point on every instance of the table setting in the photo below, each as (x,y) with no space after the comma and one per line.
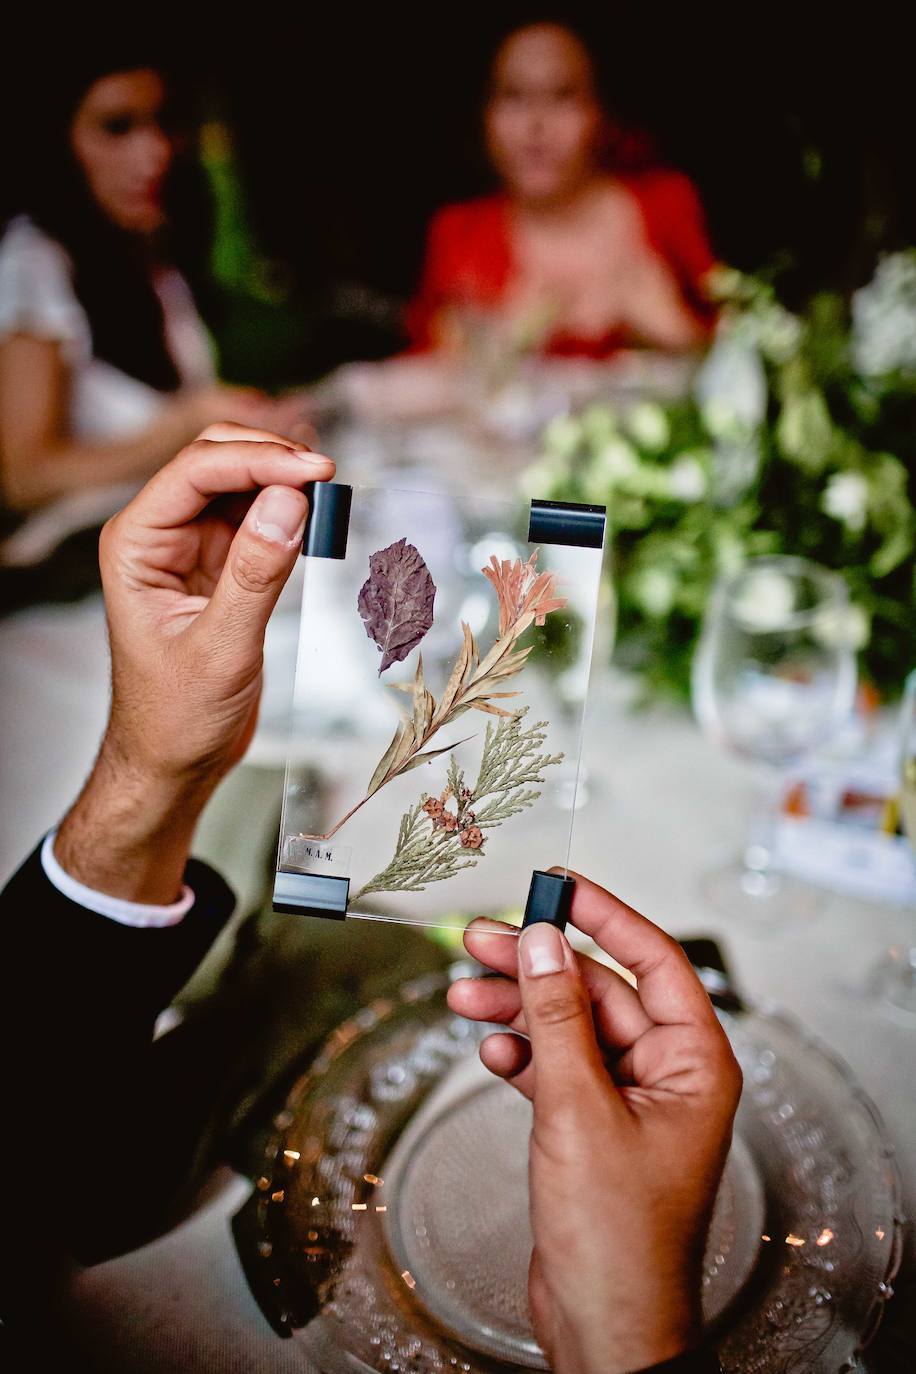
(458,657)
(415,1217)
(366,1238)
(812,970)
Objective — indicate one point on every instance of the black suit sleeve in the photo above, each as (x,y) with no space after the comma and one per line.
(92,1151)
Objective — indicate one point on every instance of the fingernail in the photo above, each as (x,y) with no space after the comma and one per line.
(277,515)
(541,949)
(481,924)
(318,460)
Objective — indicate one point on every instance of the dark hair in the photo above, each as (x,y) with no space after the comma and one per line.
(112,268)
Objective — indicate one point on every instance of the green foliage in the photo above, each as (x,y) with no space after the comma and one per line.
(791,441)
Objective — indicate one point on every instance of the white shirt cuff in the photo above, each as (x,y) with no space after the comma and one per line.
(115,908)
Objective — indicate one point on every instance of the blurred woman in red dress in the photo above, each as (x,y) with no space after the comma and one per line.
(577,260)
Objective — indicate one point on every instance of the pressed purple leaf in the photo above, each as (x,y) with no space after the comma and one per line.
(396,601)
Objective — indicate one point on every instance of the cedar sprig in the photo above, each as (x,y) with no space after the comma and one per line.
(435,843)
(526,597)
(510,760)
(419,858)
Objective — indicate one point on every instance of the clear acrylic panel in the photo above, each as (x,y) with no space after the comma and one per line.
(444,653)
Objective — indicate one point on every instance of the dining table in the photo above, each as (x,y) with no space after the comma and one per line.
(662,806)
(658,806)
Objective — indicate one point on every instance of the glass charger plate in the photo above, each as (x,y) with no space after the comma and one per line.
(392,1219)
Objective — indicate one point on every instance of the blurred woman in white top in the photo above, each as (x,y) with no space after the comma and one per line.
(106,368)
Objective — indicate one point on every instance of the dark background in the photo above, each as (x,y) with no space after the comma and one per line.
(351,125)
(354,125)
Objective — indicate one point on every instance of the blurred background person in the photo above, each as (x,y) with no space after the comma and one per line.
(106,368)
(105,363)
(582,256)
(588,247)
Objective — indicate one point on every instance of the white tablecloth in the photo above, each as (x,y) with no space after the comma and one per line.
(664,805)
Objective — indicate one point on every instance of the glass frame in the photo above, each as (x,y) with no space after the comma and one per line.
(480,613)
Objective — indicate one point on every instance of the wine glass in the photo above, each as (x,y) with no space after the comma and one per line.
(894,979)
(774,677)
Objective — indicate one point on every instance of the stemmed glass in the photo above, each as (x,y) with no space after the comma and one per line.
(894,979)
(774,677)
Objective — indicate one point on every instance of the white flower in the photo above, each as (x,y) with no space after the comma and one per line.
(653,589)
(804,430)
(735,464)
(617,460)
(720,419)
(648,424)
(884,318)
(598,424)
(731,387)
(843,627)
(765,600)
(771,330)
(563,436)
(724,283)
(687,478)
(729,551)
(846,499)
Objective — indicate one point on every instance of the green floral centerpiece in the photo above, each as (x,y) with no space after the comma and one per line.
(798,436)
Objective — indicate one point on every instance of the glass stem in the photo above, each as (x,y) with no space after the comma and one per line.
(759,850)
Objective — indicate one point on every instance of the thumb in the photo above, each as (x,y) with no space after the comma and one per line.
(260,559)
(564,1050)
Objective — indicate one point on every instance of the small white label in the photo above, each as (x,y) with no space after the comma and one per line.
(317,856)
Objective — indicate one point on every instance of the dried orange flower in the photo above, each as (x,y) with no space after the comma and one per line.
(472,838)
(521,589)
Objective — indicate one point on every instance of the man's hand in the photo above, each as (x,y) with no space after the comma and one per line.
(191,570)
(634,1093)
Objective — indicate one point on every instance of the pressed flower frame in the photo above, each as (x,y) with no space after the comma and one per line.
(434,626)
